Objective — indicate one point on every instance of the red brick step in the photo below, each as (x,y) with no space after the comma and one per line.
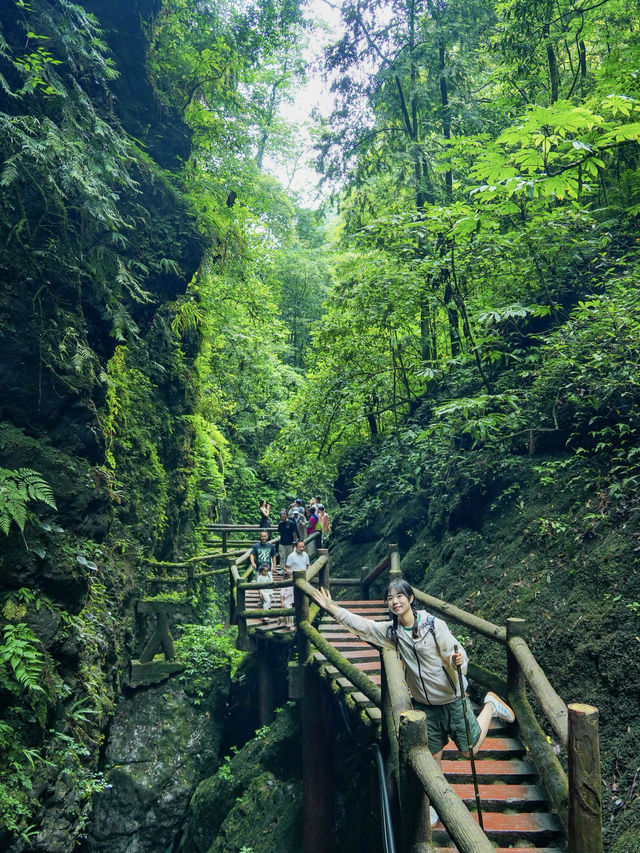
(505,828)
(503,796)
(489,769)
(492,747)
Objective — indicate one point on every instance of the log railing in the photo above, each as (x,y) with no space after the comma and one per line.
(576,798)
(223,534)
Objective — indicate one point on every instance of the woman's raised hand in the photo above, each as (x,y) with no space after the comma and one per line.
(322,597)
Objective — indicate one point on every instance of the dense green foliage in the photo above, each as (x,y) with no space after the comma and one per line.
(180,337)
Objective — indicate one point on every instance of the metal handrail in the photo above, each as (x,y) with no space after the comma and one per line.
(388,842)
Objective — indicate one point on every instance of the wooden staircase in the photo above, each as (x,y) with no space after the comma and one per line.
(515,806)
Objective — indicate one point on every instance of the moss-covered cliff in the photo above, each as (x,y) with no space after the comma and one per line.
(97,242)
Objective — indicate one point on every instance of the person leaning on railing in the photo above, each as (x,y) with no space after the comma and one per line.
(426,646)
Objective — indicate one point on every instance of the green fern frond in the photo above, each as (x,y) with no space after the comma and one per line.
(17,488)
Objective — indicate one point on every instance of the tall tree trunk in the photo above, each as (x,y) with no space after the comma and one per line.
(446,114)
(452,315)
(427,339)
(552,63)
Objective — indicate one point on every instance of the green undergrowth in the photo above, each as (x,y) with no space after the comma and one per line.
(51,731)
(206,649)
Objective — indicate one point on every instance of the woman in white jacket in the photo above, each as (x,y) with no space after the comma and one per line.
(426,646)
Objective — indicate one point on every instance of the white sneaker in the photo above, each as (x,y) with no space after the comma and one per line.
(433,816)
(500,709)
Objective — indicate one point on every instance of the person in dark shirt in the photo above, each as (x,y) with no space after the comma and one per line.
(263,552)
(288,532)
(265,510)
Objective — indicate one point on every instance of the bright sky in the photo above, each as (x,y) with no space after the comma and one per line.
(299,174)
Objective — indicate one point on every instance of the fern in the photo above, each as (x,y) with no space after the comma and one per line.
(20,659)
(17,488)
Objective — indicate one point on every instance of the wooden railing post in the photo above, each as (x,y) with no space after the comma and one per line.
(324,576)
(515,677)
(243,639)
(390,748)
(585,786)
(395,572)
(364,587)
(416,826)
(266,693)
(318,749)
(301,604)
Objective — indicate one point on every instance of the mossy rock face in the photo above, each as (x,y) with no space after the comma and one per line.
(257,792)
(160,745)
(267,818)
(629,842)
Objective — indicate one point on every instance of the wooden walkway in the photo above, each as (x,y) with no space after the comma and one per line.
(516,811)
(529,802)
(273,626)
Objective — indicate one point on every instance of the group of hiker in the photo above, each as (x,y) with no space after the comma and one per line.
(295,525)
(306,518)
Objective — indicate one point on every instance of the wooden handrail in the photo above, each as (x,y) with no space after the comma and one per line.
(462,828)
(349,670)
(554,708)
(280,584)
(316,567)
(376,572)
(237,527)
(257,613)
(482,626)
(554,778)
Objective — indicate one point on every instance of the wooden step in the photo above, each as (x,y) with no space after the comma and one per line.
(346,643)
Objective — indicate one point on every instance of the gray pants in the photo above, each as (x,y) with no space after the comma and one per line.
(284,551)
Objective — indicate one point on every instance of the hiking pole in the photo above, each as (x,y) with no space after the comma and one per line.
(471,756)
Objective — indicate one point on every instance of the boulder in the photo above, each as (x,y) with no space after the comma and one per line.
(160,745)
